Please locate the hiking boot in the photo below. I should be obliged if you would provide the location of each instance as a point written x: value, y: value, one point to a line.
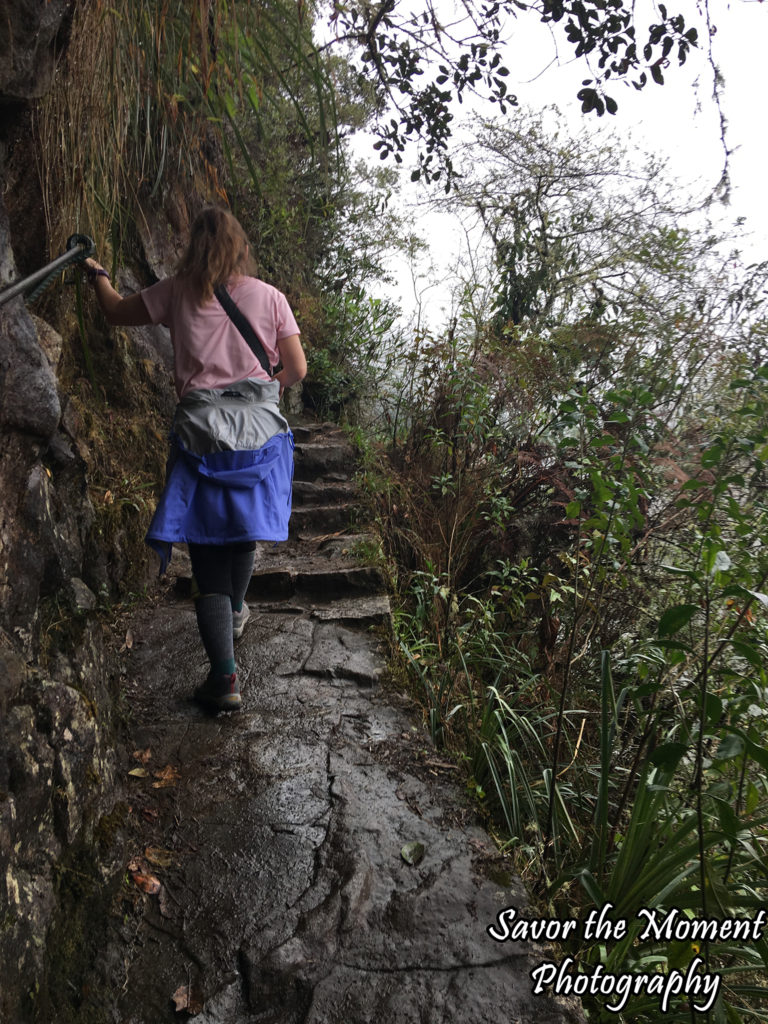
x: 219, y: 693
x: 239, y: 620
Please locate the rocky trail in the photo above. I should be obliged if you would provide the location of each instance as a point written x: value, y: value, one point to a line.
x: 265, y: 877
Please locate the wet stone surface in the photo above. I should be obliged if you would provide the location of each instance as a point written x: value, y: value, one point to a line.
x: 275, y: 835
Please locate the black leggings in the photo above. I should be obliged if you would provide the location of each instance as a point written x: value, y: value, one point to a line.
x: 220, y: 568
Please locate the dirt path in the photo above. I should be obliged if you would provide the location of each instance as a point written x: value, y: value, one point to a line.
x: 275, y: 835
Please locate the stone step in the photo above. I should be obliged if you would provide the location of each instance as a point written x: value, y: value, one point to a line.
x: 325, y: 584
x: 313, y: 582
x: 303, y: 434
x: 353, y: 612
x: 340, y: 549
x: 350, y: 545
x: 327, y: 461
x: 281, y: 595
x: 320, y: 520
x: 374, y: 610
x: 331, y: 553
x: 305, y: 492
x: 308, y: 432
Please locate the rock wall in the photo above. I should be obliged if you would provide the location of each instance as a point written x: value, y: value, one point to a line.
x: 59, y: 685
x: 31, y: 33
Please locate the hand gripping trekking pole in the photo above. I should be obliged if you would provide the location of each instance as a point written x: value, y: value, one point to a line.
x: 79, y: 248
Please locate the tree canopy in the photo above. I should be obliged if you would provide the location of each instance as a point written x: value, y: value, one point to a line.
x: 421, y: 62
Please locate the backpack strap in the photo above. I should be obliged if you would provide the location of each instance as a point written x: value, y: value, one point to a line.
x: 241, y: 322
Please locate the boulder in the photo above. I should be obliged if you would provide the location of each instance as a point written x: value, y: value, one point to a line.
x: 29, y: 32
x: 28, y: 397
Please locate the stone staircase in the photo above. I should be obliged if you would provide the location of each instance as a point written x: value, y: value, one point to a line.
x: 323, y: 566
x: 328, y: 569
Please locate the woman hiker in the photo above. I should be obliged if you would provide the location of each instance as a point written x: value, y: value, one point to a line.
x: 231, y: 465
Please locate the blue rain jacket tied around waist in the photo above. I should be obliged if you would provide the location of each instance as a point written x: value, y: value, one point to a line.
x: 226, y: 496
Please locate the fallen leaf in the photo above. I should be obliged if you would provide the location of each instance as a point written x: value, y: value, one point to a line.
x: 167, y: 776
x: 162, y: 903
x: 188, y: 1000
x: 160, y: 858
x: 149, y: 814
x: 181, y: 998
x: 147, y: 883
x: 128, y: 644
x: 413, y: 853
x: 139, y: 773
x: 142, y: 755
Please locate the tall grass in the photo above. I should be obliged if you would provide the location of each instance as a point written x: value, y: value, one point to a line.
x: 146, y: 100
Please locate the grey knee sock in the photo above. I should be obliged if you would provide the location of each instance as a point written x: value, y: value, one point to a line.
x: 214, y: 620
x: 242, y: 571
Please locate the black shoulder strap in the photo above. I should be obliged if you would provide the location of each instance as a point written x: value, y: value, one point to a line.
x: 241, y: 323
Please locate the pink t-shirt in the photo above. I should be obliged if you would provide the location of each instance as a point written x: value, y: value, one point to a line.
x: 209, y: 351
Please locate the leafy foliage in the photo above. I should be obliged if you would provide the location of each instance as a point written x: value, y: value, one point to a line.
x: 422, y: 61
x: 576, y: 505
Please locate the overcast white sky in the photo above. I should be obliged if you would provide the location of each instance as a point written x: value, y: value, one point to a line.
x: 678, y: 120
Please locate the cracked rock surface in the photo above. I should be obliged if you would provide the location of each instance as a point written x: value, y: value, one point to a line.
x: 275, y: 834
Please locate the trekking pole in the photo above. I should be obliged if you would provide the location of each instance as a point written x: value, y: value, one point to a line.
x: 79, y: 248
